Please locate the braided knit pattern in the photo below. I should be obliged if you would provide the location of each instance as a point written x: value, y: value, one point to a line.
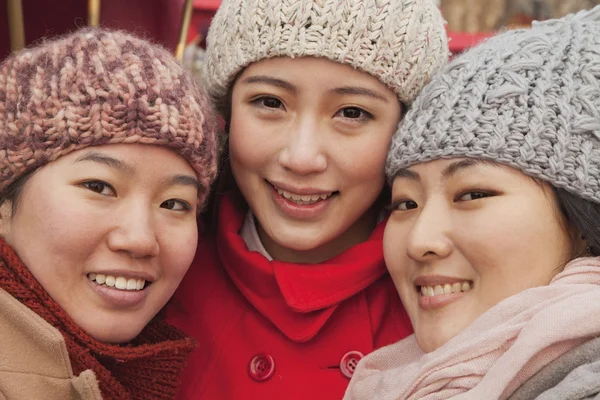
x: 148, y: 368
x: 529, y: 99
x: 98, y: 87
x: 400, y: 42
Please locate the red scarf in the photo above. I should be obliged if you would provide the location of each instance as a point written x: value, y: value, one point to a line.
x: 298, y: 299
x: 146, y: 368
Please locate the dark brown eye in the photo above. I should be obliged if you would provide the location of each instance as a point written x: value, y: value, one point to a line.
x: 470, y: 196
x: 176, y: 205
x: 271, y: 102
x: 99, y: 187
x: 352, y: 112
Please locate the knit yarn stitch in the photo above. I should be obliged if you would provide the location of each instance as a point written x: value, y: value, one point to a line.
x: 400, y: 42
x: 529, y: 99
x: 98, y: 87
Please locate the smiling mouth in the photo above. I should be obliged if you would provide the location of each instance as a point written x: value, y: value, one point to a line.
x: 118, y: 282
x: 303, y: 199
x: 438, y: 290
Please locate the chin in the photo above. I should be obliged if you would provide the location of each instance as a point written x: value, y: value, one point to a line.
x: 301, y: 243
x: 430, y: 344
x: 114, y: 335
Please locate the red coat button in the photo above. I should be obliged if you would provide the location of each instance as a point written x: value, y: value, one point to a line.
x: 349, y: 362
x: 261, y: 367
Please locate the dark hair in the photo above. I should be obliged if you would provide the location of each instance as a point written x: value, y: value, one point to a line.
x: 581, y: 215
x: 13, y: 191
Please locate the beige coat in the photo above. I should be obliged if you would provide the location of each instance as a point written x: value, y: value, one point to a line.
x: 34, y: 363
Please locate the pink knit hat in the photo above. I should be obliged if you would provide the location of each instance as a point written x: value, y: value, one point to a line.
x: 98, y: 87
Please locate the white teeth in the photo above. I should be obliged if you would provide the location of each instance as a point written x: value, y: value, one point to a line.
x: 303, y: 199
x: 121, y: 283
x: 430, y: 291
x: 456, y: 287
x: 447, y: 288
x: 118, y: 282
x: 131, y: 284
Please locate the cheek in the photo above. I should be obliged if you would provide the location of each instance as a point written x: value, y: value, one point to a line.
x: 365, y: 163
x: 248, y: 147
x: 178, y: 247
x: 394, y: 252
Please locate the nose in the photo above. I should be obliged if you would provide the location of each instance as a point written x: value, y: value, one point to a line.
x: 303, y: 152
x: 429, y: 237
x: 134, y: 232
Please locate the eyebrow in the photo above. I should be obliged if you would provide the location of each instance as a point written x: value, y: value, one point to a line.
x: 360, y: 91
x: 269, y: 80
x: 458, y: 166
x: 106, y: 160
x: 185, y: 180
x: 449, y: 171
x: 179, y: 179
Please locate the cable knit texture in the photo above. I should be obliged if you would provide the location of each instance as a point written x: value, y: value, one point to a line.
x: 400, y: 42
x: 98, y: 87
x: 148, y: 368
x: 526, y: 98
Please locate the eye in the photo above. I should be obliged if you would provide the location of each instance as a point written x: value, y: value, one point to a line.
x: 100, y: 187
x: 268, y: 102
x: 354, y: 113
x: 403, y: 205
x: 176, y: 205
x: 469, y: 196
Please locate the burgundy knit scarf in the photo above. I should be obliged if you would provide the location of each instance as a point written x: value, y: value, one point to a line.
x: 146, y: 368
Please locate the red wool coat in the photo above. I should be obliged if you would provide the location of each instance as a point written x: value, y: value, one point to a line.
x: 275, y: 330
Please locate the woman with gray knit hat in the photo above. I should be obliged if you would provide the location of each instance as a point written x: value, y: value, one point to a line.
x: 493, y: 241
x: 290, y: 290
x: 107, y: 151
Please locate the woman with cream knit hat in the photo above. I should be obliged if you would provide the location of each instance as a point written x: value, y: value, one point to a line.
x: 107, y: 152
x: 493, y: 240
x: 289, y: 289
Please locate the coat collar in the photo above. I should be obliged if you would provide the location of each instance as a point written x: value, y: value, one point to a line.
x: 297, y: 298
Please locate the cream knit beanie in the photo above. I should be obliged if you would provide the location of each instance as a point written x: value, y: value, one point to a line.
x: 400, y: 42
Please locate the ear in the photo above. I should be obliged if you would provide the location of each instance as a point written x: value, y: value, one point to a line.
x: 580, y: 245
x: 6, y: 211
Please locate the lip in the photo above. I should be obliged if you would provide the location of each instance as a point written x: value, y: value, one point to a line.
x: 126, y: 274
x: 304, y: 191
x: 432, y: 280
x: 120, y: 299
x: 442, y: 300
x: 295, y: 211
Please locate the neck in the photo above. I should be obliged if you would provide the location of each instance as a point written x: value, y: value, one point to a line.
x: 355, y: 234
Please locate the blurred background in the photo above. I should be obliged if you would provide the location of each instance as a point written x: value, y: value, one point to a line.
x: 181, y: 25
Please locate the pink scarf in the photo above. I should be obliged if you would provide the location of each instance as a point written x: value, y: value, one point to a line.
x: 498, y: 352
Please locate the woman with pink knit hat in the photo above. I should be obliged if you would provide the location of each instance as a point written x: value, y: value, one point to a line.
x: 107, y: 152
x: 289, y: 288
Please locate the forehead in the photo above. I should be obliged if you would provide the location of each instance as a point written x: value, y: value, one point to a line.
x: 442, y: 171
x: 311, y: 69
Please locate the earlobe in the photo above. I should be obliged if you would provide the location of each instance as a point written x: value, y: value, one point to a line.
x: 5, y: 218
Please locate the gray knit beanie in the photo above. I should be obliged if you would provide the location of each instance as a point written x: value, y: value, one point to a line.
x: 400, y: 42
x: 526, y: 98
